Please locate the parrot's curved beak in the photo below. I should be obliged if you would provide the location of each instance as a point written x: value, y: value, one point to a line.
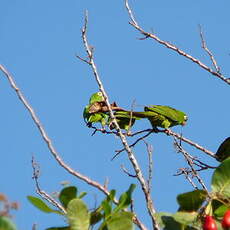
x: 185, y: 120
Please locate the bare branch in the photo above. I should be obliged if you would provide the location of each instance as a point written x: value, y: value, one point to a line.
x: 178, y: 136
x: 42, y: 193
x: 47, y: 139
x: 132, y: 145
x: 184, y: 171
x: 204, y: 46
x: 140, y: 177
x: 130, y: 13
x: 173, y: 47
x: 150, y: 165
x: 127, y: 172
x: 190, y: 162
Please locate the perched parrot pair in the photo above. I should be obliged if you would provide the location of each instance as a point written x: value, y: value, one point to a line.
x: 158, y: 115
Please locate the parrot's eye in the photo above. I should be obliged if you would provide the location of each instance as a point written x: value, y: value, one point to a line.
x: 99, y: 94
x: 185, y: 118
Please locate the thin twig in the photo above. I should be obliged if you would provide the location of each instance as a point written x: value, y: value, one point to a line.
x: 132, y: 145
x: 42, y: 193
x: 204, y: 46
x: 150, y: 164
x: 137, y: 169
x: 173, y: 47
x: 190, y: 163
x: 127, y: 172
x: 178, y: 136
x: 46, y: 138
x: 130, y: 13
x: 184, y: 171
x: 171, y: 133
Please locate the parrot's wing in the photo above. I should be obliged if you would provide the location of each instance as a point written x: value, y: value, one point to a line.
x: 97, y: 117
x: 126, y: 114
x: 158, y: 120
x: 86, y: 113
x: 124, y: 120
x: 94, y: 117
x: 167, y: 111
x: 223, y: 151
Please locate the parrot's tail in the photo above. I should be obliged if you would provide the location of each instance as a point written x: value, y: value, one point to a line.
x: 135, y: 115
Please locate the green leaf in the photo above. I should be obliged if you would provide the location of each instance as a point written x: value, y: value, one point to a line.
x: 191, y: 201
x: 95, y: 217
x: 221, y: 179
x: 41, y: 205
x: 186, y: 218
x: 107, y: 207
x: 166, y: 221
x: 67, y: 194
x: 6, y: 223
x: 120, y: 221
x: 125, y: 199
x: 111, y: 195
x: 220, y: 211
x: 78, y: 215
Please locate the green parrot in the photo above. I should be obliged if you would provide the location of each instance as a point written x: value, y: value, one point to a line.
x: 88, y: 114
x: 160, y: 116
x: 223, y: 151
x: 91, y: 118
x: 165, y: 116
x: 124, y: 119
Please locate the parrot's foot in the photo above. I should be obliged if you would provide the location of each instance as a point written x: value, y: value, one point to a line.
x: 128, y: 133
x: 89, y: 124
x: 155, y: 130
x: 103, y: 130
x: 167, y: 132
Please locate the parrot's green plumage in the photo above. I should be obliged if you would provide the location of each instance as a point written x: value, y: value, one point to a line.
x: 99, y: 117
x: 160, y: 116
x: 223, y: 151
x: 96, y: 97
x: 91, y: 118
x: 165, y: 116
x: 124, y: 119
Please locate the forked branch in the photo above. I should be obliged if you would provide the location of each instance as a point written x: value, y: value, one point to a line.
x: 168, y: 45
x: 46, y: 138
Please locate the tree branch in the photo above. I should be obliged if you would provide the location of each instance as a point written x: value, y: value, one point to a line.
x: 40, y: 192
x: 178, y: 136
x: 168, y: 45
x: 137, y: 169
x: 46, y: 138
x: 190, y: 162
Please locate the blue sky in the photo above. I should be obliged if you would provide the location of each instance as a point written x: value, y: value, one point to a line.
x: 38, y: 43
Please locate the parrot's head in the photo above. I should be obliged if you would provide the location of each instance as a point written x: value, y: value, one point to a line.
x: 182, y: 118
x: 96, y: 97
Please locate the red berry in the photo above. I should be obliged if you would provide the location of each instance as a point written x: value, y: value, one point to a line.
x: 209, y: 223
x: 226, y: 220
